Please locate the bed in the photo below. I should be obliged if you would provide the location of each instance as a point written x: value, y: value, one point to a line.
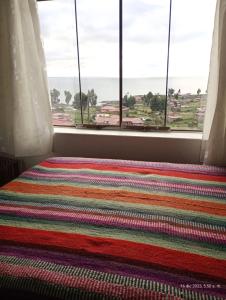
x: 81, y: 228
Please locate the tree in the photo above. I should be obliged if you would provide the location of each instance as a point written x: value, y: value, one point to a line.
x: 92, y: 97
x: 76, y: 102
x: 158, y: 103
x: 68, y: 97
x: 129, y: 101
x: 125, y: 100
x: 54, y: 94
x: 147, y: 98
x: 177, y: 94
x: 171, y: 92
x: 91, y: 100
x: 198, y: 92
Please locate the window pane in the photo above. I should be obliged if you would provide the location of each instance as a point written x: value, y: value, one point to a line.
x: 145, y: 27
x: 192, y: 26
x: 98, y: 25
x: 59, y: 40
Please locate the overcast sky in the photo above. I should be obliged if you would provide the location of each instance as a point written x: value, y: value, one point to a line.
x: 145, y: 30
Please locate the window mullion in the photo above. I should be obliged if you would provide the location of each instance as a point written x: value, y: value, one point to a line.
x: 78, y: 57
x: 120, y: 60
x: 167, y: 64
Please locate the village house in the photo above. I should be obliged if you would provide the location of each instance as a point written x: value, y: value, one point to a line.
x: 62, y: 119
x: 112, y: 109
x: 114, y: 120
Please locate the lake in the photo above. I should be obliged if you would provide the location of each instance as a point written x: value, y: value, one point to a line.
x: 107, y: 89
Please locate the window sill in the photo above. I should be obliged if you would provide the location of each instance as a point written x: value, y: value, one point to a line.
x: 166, y: 135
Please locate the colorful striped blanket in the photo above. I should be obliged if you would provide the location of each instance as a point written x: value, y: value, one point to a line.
x: 79, y: 228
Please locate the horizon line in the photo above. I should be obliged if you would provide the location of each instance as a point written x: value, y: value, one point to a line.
x: 157, y: 77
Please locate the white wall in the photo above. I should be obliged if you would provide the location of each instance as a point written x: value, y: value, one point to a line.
x: 151, y: 147
x: 166, y: 147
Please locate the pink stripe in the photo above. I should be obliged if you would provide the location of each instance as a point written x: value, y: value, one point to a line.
x: 114, y: 179
x: 156, y: 226
x: 92, y: 285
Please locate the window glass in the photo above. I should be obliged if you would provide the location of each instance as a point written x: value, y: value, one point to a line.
x: 98, y: 24
x: 59, y: 40
x: 145, y: 33
x: 191, y: 37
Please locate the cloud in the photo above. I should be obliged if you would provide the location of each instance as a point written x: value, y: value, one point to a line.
x: 145, y: 33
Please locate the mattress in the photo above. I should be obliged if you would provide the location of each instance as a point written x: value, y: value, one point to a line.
x: 80, y: 228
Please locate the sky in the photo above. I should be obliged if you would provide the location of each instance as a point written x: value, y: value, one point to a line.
x: 145, y: 37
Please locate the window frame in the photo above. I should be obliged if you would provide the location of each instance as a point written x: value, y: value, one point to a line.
x: 121, y: 126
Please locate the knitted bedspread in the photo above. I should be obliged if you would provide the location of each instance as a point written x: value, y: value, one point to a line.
x: 79, y: 228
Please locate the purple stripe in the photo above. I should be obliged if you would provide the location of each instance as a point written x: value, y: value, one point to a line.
x: 151, y: 227
x: 104, y: 180
x: 105, y: 265
x: 138, y: 181
x: 135, y: 177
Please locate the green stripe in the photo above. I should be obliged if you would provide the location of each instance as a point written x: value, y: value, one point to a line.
x: 116, y: 233
x: 134, y: 175
x: 108, y: 204
x: 121, y: 213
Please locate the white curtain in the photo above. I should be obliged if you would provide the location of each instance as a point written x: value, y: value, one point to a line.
x: 214, y: 135
x: 25, y: 113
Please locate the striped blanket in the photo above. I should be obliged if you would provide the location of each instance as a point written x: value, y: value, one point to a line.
x: 79, y: 228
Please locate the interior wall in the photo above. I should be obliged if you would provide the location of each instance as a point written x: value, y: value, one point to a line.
x: 126, y: 147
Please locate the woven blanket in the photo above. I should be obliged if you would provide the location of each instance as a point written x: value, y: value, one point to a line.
x: 79, y: 228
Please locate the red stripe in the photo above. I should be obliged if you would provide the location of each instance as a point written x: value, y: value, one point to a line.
x: 120, y: 249
x: 94, y: 166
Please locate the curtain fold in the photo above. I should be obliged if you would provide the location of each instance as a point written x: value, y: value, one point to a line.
x: 25, y: 112
x: 214, y: 134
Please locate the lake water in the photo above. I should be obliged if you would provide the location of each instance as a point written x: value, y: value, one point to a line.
x: 107, y: 89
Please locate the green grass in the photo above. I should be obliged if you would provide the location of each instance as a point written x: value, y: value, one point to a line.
x: 187, y: 115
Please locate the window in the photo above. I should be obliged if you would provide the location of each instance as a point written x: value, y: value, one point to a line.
x: 128, y: 63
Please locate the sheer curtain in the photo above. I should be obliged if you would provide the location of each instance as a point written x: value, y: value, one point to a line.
x: 25, y: 113
x: 214, y: 135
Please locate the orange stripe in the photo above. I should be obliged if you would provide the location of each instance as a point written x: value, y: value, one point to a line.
x: 123, y: 196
